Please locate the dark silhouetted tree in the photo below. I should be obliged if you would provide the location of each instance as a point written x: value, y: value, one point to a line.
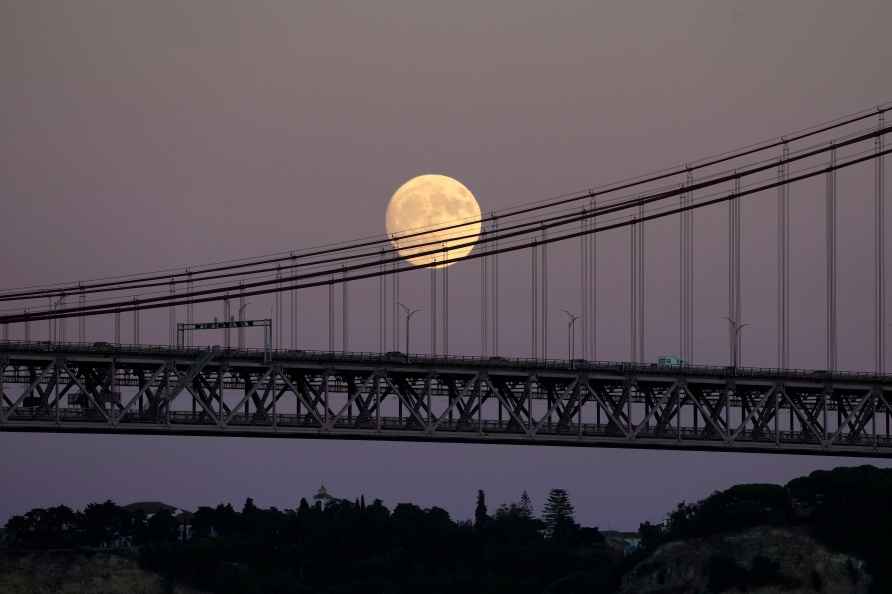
x: 480, y: 516
x: 161, y: 527
x: 651, y: 536
x: 203, y: 523
x: 526, y: 505
x: 558, y: 515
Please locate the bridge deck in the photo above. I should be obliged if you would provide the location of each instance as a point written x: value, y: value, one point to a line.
x: 104, y: 388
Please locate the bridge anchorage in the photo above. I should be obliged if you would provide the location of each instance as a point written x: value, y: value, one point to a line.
x: 301, y: 394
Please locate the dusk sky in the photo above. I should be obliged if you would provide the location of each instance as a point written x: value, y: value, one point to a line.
x: 137, y: 136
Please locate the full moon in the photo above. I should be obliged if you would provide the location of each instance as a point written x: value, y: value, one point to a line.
x: 430, y: 202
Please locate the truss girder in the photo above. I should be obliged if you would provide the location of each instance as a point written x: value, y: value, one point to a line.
x: 215, y: 392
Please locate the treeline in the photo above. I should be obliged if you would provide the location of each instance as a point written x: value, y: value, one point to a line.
x: 335, y: 545
x: 98, y: 525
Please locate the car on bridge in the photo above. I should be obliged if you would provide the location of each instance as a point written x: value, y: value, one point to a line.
x: 671, y: 361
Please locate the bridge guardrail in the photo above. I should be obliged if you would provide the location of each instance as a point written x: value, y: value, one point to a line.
x: 446, y: 360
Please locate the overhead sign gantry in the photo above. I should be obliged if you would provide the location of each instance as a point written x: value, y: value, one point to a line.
x: 266, y: 324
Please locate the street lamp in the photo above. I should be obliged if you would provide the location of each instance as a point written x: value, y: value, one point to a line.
x: 241, y: 330
x: 571, y: 333
x: 409, y: 313
x: 58, y: 329
x: 736, y: 327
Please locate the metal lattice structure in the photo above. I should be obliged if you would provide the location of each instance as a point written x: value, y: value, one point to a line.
x: 189, y: 391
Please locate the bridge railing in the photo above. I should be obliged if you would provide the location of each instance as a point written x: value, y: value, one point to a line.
x: 366, y: 357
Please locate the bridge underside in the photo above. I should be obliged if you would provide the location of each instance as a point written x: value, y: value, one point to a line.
x: 163, y: 391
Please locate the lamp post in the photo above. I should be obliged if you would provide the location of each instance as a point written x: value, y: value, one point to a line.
x: 571, y: 333
x: 409, y: 313
x: 59, y: 329
x: 241, y: 330
x: 736, y: 327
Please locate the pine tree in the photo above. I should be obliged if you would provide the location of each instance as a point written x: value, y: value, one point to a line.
x: 480, y: 516
x: 558, y: 515
x: 526, y: 505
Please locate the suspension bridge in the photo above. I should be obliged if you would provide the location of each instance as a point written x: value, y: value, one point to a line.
x: 87, y: 379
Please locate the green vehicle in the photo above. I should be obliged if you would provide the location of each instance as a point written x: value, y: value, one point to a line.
x: 671, y: 361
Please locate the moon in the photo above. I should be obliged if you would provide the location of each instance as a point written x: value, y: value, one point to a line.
x: 430, y: 202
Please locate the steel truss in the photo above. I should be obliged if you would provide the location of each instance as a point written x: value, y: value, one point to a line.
x: 189, y: 391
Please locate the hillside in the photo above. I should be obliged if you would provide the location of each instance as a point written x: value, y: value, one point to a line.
x: 79, y: 573
x: 762, y: 560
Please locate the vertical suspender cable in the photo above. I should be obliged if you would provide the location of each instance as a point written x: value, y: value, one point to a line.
x: 331, y: 313
x: 544, y: 250
x: 690, y: 268
x: 484, y: 301
x: 295, y: 313
x: 82, y: 320
x: 831, y: 263
x: 642, y: 288
x: 190, y: 310
x: 434, y: 319
x: 880, y: 256
x: 63, y: 323
x: 738, y: 284
x: 633, y: 292
x: 734, y: 286
x: 345, y: 314
x: 396, y: 308
x: 136, y: 337
x: 682, y: 279
x: 171, y: 316
x: 278, y: 304
x: 534, y: 306
x: 240, y: 334
x: 783, y: 263
x: 445, y: 339
x: 382, y: 307
x: 494, y: 292
x: 594, y: 284
x: 583, y: 282
x: 731, y: 318
x: 117, y: 327
x: 226, y: 330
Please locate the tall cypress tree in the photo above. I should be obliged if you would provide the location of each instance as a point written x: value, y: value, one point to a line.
x: 480, y: 516
x: 558, y: 515
x: 526, y: 505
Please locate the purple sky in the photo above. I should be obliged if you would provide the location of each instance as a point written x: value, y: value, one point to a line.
x: 137, y: 136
